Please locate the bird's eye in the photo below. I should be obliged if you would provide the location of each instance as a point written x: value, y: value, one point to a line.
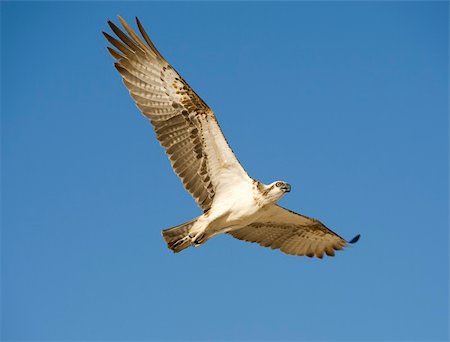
x: 278, y: 184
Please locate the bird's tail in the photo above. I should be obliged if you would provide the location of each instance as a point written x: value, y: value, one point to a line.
x: 177, y: 238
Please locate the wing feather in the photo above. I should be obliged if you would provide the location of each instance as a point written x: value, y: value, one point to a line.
x: 114, y: 53
x: 184, y: 124
x: 292, y: 233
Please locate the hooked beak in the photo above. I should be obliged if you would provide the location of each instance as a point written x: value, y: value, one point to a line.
x: 287, y: 188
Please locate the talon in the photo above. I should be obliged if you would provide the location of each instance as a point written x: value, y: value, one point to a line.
x: 199, y: 240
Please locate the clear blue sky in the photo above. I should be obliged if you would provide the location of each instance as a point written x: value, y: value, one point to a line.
x: 347, y: 101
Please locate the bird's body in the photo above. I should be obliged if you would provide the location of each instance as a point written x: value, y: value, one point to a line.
x: 187, y: 128
x: 236, y: 207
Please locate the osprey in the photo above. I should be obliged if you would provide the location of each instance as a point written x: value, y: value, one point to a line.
x: 232, y: 201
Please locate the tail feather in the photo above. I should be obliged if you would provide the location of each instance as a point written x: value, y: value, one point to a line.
x: 177, y: 238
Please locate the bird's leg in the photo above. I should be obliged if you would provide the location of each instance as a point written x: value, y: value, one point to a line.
x: 197, y: 238
x: 199, y: 233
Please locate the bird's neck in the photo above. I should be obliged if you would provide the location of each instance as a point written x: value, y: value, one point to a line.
x: 263, y: 195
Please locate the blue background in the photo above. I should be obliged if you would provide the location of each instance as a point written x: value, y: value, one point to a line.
x: 346, y: 101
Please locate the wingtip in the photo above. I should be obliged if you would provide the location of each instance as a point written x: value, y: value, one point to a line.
x: 355, y: 239
x: 119, y: 67
x: 107, y: 35
x: 112, y: 25
x: 121, y: 20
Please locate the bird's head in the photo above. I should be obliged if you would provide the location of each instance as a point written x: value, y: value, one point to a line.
x: 281, y: 186
x: 274, y: 191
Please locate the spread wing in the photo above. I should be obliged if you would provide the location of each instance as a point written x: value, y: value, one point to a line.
x: 292, y: 233
x: 185, y: 126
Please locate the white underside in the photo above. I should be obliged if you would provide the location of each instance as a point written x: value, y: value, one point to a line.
x: 234, y: 207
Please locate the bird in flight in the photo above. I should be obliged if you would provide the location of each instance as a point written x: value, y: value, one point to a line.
x: 232, y: 201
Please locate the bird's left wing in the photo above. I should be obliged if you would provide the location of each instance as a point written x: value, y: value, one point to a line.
x: 184, y: 124
x: 292, y: 233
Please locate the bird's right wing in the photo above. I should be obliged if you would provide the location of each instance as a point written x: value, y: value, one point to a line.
x: 292, y: 233
x: 185, y: 126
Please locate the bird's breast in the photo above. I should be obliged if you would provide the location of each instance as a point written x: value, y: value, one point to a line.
x: 237, y: 209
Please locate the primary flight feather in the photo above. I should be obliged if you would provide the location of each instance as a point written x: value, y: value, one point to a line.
x: 187, y: 128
